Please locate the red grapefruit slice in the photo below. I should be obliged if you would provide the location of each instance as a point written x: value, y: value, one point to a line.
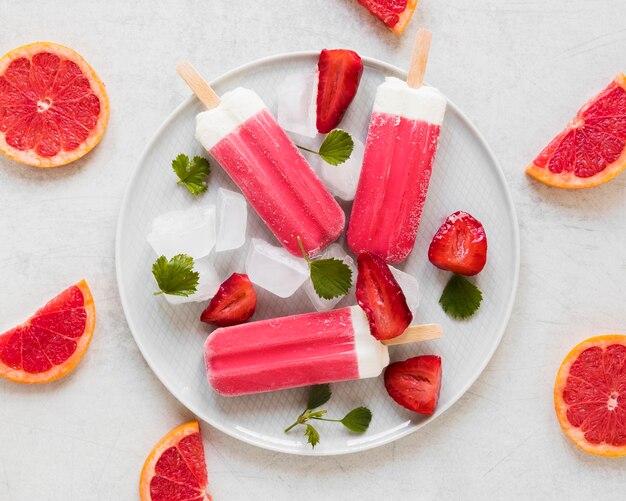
x: 53, y: 107
x: 396, y: 14
x: 590, y: 395
x: 51, y: 342
x: 592, y: 148
x: 175, y: 470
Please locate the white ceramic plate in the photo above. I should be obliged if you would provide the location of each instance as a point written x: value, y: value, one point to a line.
x: 466, y: 177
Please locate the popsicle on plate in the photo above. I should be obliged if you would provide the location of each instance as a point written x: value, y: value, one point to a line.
x: 242, y: 135
x: 300, y: 350
x: 401, y: 144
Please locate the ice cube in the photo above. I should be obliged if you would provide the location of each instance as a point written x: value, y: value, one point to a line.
x: 297, y: 101
x: 342, y: 180
x: 408, y: 284
x: 321, y: 304
x: 209, y: 283
x: 275, y: 269
x: 190, y: 231
x: 232, y: 214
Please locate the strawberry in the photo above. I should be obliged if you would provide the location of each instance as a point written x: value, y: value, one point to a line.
x: 415, y: 383
x: 382, y: 299
x: 340, y: 72
x: 233, y: 304
x: 460, y: 245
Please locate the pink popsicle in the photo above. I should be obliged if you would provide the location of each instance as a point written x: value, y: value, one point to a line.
x: 288, y: 352
x: 398, y: 161
x: 392, y: 188
x: 243, y: 136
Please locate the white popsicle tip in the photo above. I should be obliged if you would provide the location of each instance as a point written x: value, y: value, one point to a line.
x: 197, y: 84
x: 419, y: 59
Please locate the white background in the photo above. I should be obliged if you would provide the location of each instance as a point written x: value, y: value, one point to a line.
x: 519, y: 69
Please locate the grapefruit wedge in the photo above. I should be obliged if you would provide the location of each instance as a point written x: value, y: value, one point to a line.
x: 175, y: 469
x: 53, y: 107
x: 51, y: 342
x: 590, y: 395
x: 396, y: 14
x: 592, y: 148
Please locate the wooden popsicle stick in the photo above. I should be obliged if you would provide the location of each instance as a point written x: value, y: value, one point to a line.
x: 419, y: 59
x: 198, y: 85
x: 416, y: 334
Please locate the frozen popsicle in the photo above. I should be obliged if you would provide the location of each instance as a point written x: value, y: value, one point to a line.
x: 242, y: 135
x: 399, y: 153
x: 300, y: 350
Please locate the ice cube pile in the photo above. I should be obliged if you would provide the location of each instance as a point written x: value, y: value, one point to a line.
x: 196, y: 232
x: 275, y: 269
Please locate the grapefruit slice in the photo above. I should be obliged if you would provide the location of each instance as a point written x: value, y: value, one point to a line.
x: 175, y: 469
x: 396, y: 14
x: 592, y: 148
x: 51, y: 342
x: 590, y: 395
x: 53, y: 106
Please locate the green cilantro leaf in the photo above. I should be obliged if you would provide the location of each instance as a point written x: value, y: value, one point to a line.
x: 192, y: 174
x: 176, y: 276
x: 313, y: 435
x: 337, y: 147
x: 460, y: 298
x: 320, y: 394
x: 331, y: 277
x: 358, y: 420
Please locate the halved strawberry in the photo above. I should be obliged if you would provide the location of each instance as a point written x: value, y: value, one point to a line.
x: 460, y: 245
x: 382, y: 299
x: 415, y: 383
x: 340, y: 72
x: 233, y: 304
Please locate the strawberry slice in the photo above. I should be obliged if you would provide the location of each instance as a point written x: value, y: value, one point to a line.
x: 415, y: 383
x: 233, y: 304
x: 460, y: 245
x: 382, y: 299
x: 340, y: 72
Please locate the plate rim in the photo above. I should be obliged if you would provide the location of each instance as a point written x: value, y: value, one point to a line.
x: 265, y: 444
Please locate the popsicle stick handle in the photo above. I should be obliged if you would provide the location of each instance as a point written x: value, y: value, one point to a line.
x: 198, y: 85
x: 416, y: 334
x: 419, y: 59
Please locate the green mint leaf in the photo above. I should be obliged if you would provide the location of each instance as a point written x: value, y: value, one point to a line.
x: 337, y: 147
x: 331, y: 277
x: 176, y: 276
x: 320, y: 394
x: 193, y: 174
x: 358, y: 420
x: 460, y: 298
x: 313, y: 435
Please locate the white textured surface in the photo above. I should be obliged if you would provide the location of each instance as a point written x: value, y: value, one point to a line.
x: 518, y: 69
